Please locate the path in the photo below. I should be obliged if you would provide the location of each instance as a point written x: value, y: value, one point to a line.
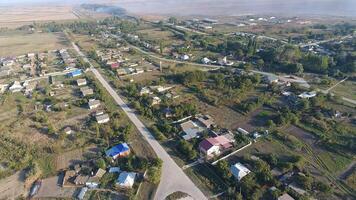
x: 173, y: 178
x: 12, y: 186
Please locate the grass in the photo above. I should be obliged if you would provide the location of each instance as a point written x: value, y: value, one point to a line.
x: 206, y: 179
x: 18, y: 43
x: 346, y: 89
x: 47, y: 165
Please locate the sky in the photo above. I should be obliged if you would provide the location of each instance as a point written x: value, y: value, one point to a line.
x: 222, y: 7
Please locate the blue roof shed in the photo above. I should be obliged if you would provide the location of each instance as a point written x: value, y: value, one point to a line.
x: 75, y: 73
x: 119, y: 150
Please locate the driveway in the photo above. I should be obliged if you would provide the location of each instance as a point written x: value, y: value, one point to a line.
x: 173, y: 178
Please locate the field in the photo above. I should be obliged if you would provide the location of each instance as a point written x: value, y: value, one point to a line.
x: 17, y: 16
x: 17, y: 43
x: 346, y: 89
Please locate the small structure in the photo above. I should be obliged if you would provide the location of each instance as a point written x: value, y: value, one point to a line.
x: 190, y: 130
x: 120, y: 150
x: 102, y: 119
x: 81, y: 82
x: 94, y: 181
x: 126, y: 180
x: 82, y: 193
x: 206, y: 121
x: 211, y: 147
x: 93, y: 103
x: 86, y: 91
x: 285, y: 196
x: 114, y: 170
x: 239, y: 171
x: 145, y: 90
x: 68, y: 130
x: 81, y: 180
x: 75, y: 73
x: 242, y: 131
x: 69, y: 176
x: 16, y: 87
x: 155, y: 101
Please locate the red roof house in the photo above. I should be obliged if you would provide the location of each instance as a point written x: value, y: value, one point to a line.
x: 211, y: 147
x: 114, y: 65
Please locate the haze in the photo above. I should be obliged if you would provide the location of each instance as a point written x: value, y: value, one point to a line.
x: 222, y: 7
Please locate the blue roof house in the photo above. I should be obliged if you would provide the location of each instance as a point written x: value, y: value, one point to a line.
x: 120, y: 150
x: 75, y: 73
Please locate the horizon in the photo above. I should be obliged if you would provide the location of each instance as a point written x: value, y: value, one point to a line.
x: 345, y: 8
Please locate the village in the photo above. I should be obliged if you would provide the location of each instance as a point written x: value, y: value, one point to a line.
x: 236, y: 128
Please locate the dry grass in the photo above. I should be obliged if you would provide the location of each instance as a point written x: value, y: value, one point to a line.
x: 17, y: 43
x: 17, y: 16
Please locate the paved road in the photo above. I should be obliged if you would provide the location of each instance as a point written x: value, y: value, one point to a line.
x: 173, y: 178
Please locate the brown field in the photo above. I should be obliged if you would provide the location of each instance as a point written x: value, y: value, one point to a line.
x: 15, y: 16
x: 17, y: 43
x: 12, y: 17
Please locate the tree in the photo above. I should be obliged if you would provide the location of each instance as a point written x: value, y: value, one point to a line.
x: 154, y: 171
x: 223, y: 169
x: 100, y: 163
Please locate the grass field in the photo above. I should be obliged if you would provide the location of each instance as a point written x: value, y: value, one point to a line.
x: 18, y: 16
x: 346, y: 89
x: 17, y: 43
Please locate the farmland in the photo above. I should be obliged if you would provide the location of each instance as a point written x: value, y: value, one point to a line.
x: 15, y: 43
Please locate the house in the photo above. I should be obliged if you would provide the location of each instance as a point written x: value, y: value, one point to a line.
x: 82, y: 193
x: 285, y: 196
x: 239, y: 171
x: 27, y: 66
x: 93, y: 103
x: 68, y: 130
x: 120, y: 150
x: 184, y: 57
x: 155, y: 101
x: 160, y: 88
x: 5, y: 71
x: 224, y: 61
x: 16, y: 87
x: 145, y: 90
x: 126, y: 180
x: 190, y: 130
x: 86, y: 91
x: 94, y: 181
x: 307, y: 95
x: 270, y: 78
x: 205, y: 121
x: 75, y: 73
x: 81, y: 82
x: 102, y: 119
x: 206, y: 60
x: 214, y: 146
x: 81, y: 180
x: 114, y: 65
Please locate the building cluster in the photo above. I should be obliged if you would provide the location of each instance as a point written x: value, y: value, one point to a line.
x: 157, y: 93
x: 86, y: 176
x: 116, y: 61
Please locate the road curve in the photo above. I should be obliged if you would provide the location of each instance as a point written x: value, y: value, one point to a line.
x: 173, y: 178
